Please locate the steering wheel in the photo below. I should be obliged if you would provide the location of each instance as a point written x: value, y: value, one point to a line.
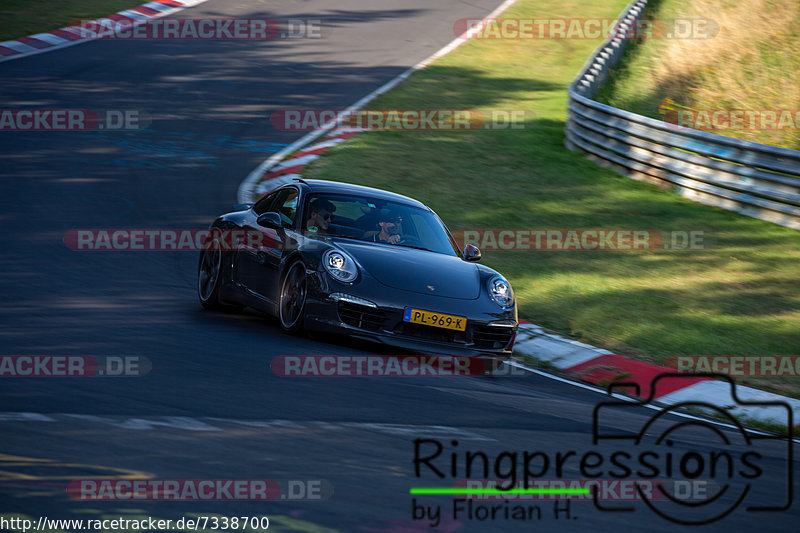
x: 410, y: 240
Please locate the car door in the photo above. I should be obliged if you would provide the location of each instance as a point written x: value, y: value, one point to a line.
x: 246, y: 263
x: 260, y: 265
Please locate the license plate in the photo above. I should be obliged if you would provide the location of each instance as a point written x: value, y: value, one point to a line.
x: 438, y: 320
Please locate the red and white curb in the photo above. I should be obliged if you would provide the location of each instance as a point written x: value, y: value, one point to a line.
x: 72, y: 35
x: 290, y: 168
x: 594, y: 365
x: 263, y: 178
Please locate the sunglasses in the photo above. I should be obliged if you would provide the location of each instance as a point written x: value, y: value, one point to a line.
x: 326, y: 216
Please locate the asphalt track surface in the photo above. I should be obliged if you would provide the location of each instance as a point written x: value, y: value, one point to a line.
x: 211, y: 408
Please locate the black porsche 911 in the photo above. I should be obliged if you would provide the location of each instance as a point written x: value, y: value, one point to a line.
x: 329, y: 256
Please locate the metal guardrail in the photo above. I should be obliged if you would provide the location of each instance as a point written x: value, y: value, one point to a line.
x: 753, y: 179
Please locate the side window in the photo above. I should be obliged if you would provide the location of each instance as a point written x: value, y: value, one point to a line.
x: 262, y: 206
x: 286, y: 206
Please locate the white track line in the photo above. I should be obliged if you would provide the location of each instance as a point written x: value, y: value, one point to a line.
x: 86, y: 35
x: 247, y: 187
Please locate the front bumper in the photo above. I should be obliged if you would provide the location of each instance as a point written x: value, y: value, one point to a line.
x: 489, y: 333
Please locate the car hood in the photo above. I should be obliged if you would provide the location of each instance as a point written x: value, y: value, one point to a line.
x: 415, y: 270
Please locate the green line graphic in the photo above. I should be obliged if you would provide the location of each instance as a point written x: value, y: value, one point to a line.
x: 449, y: 490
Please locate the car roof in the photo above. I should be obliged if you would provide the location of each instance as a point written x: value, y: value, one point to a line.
x: 325, y: 186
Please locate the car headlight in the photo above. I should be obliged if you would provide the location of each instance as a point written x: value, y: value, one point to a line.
x: 501, y: 292
x: 340, y: 265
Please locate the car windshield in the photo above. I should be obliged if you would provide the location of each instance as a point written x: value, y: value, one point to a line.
x: 374, y: 220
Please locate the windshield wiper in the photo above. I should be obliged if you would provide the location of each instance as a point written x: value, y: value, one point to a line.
x: 416, y: 247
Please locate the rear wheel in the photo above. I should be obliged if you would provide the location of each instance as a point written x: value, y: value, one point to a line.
x: 209, y: 278
x: 292, y: 301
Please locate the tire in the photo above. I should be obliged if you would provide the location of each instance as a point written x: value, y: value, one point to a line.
x: 209, y: 270
x: 209, y: 279
x: 292, y: 298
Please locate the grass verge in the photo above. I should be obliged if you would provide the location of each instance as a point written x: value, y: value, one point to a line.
x: 771, y: 427
x: 739, y: 295
x: 20, y: 18
x: 752, y: 63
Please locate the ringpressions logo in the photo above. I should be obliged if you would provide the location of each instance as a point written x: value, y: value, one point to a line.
x: 724, y: 465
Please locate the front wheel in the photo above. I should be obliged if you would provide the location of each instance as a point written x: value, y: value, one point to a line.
x: 293, y: 298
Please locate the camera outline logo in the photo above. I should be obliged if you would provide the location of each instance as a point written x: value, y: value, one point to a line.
x: 750, y: 439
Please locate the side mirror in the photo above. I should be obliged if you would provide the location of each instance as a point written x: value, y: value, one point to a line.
x: 471, y: 253
x: 270, y: 219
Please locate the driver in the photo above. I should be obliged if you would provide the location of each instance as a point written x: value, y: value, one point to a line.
x: 321, y: 214
x: 389, y: 222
